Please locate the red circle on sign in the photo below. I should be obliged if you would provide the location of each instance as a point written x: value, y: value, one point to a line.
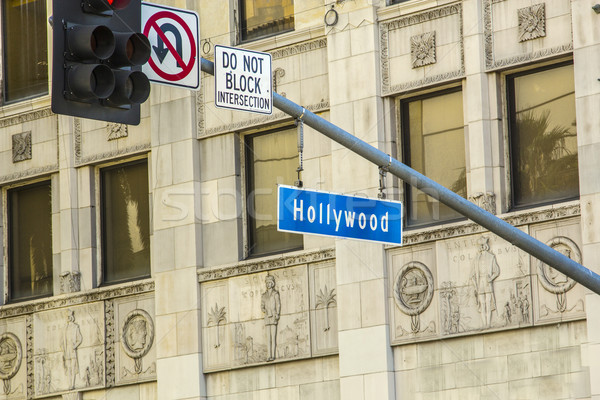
x: 151, y: 23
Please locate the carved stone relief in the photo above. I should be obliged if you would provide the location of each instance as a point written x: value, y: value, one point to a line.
x: 68, y: 348
x: 13, y: 370
x: 21, y: 146
x: 116, y: 131
x: 532, y: 22
x: 135, y: 350
x: 277, y: 74
x: 323, y: 300
x: 487, y: 201
x: 70, y: 282
x: 422, y: 49
x: 412, y: 294
x: 256, y: 318
x: 560, y: 297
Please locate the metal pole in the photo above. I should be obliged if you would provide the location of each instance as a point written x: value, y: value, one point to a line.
x: 488, y: 220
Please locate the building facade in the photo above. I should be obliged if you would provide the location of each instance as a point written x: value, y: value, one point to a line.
x: 143, y: 262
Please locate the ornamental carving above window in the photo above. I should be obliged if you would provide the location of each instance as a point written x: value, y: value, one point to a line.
x: 422, y: 49
x: 532, y: 22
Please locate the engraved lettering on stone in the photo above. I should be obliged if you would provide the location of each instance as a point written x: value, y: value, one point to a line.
x: 72, y: 339
x: 278, y: 73
x: 271, y: 306
x: 532, y: 22
x: 137, y: 338
x: 484, y: 270
x: 556, y: 282
x: 11, y: 355
x: 450, y: 307
x: 216, y: 317
x: 70, y: 282
x: 325, y: 299
x: 117, y: 131
x: 487, y: 201
x: 422, y: 49
x: 21, y: 146
x: 413, y: 291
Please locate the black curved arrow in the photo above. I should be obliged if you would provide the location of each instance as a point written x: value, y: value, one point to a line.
x: 161, y: 51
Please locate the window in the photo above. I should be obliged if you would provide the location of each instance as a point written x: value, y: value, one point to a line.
x: 125, y: 222
x: 30, y: 241
x: 265, y: 17
x: 434, y: 145
x: 25, y: 72
x: 272, y: 158
x: 543, y: 136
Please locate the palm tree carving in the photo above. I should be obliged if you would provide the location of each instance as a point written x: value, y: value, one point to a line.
x: 216, y: 316
x: 325, y: 299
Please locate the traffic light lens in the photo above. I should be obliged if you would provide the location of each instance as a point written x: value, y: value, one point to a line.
x: 119, y: 4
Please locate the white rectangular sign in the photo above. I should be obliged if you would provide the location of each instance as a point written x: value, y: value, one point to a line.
x: 243, y: 80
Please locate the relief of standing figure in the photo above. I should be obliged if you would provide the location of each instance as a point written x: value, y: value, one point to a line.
x: 484, y: 271
x: 71, y: 341
x: 271, y: 306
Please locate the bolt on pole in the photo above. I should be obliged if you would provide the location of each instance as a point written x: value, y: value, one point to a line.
x: 506, y: 231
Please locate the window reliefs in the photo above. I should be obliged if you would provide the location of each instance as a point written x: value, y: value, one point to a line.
x: 543, y: 136
x: 125, y: 222
x: 260, y: 18
x: 29, y: 212
x: 271, y: 159
x: 25, y: 49
x: 433, y: 144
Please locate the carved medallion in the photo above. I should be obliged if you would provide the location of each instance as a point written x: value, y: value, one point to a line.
x: 422, y: 49
x: 21, y: 146
x: 552, y: 280
x: 532, y: 22
x: 137, y: 336
x: 413, y: 290
x: 11, y: 355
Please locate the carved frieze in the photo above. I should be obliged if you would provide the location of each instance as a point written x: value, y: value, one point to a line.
x: 21, y: 146
x: 274, y: 315
x: 532, y: 22
x: 487, y: 201
x: 70, y: 282
x: 135, y: 348
x: 422, y: 49
x: 69, y: 349
x: 13, y: 358
x: 413, y: 291
x: 117, y: 131
x: 25, y: 117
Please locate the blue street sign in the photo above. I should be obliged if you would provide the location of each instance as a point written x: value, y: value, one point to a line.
x: 323, y: 213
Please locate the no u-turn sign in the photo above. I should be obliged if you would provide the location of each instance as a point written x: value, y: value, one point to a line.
x: 243, y: 80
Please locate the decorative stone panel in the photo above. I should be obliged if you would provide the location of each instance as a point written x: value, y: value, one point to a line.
x: 135, y: 344
x: 532, y: 22
x: 510, y: 31
x: 13, y: 358
x: 473, y: 283
x: 21, y: 146
x: 269, y: 315
x: 410, y: 45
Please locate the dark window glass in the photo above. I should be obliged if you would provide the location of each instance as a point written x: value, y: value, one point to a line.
x: 272, y: 159
x: 265, y: 17
x: 25, y: 49
x: 543, y: 136
x: 434, y: 145
x: 30, y: 242
x: 125, y: 222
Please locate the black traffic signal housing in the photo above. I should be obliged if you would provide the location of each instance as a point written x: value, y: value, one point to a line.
x: 98, y: 53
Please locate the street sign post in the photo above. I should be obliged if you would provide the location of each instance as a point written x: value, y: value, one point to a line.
x: 323, y: 213
x: 174, y: 38
x: 243, y: 80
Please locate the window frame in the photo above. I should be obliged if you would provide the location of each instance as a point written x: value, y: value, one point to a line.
x: 240, y: 23
x: 6, y: 222
x: 509, y: 107
x: 403, y: 138
x: 100, y: 219
x: 4, y: 63
x: 248, y: 185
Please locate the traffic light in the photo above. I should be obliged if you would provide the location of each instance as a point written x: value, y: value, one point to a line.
x: 98, y: 55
